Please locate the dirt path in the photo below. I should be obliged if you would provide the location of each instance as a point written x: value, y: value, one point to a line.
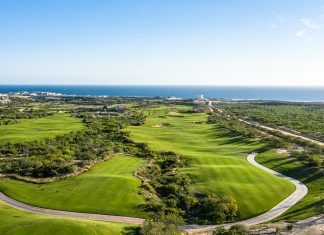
x: 283, y: 132
x: 298, y: 194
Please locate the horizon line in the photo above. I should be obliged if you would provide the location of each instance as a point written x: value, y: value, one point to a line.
x: 183, y: 85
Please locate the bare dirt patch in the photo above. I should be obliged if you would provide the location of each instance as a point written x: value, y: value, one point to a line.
x: 311, y: 226
x: 283, y: 151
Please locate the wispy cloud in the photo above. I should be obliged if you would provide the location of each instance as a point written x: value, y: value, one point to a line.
x: 300, y: 33
x: 309, y: 23
x: 303, y: 34
x: 308, y: 28
x: 279, y: 21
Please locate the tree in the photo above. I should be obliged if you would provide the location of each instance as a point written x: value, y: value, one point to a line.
x: 162, y: 225
x: 217, y: 209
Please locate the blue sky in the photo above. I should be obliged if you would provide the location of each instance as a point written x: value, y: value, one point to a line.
x: 188, y: 42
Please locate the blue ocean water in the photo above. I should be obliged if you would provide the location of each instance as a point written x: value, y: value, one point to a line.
x: 229, y: 92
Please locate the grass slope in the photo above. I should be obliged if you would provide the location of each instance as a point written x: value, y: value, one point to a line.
x: 15, y: 222
x: 35, y: 129
x: 216, y: 159
x: 108, y: 188
x: 312, y: 177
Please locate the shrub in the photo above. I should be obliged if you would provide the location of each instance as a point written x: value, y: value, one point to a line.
x: 290, y: 227
x: 217, y: 209
x: 162, y: 225
x: 239, y: 229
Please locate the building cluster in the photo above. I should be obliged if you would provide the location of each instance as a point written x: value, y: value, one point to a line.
x: 201, y: 100
x: 42, y: 93
x: 4, y: 99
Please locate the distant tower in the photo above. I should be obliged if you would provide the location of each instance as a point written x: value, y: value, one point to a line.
x: 201, y: 96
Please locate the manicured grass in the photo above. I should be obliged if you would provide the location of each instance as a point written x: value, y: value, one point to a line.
x: 108, y: 188
x: 36, y: 129
x: 16, y: 222
x: 311, y: 176
x: 216, y: 159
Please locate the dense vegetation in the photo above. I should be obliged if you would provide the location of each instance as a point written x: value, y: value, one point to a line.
x: 12, y: 114
x: 312, y: 154
x: 168, y: 192
x: 179, y: 155
x: 68, y: 153
x: 103, y: 136
x: 305, y: 118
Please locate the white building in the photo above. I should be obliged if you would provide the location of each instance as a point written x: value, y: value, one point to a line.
x: 4, y: 99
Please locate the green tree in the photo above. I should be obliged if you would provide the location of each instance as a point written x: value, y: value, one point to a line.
x: 217, y: 209
x: 162, y: 225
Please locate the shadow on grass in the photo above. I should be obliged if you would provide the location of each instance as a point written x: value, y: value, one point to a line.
x: 263, y: 149
x: 316, y: 205
x: 130, y: 230
x: 229, y: 137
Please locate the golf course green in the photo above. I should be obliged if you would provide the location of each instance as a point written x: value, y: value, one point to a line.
x: 215, y: 158
x: 36, y: 129
x: 312, y: 203
x: 108, y: 188
x: 16, y: 222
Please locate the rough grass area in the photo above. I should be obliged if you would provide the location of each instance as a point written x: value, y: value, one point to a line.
x: 15, y: 222
x: 36, y: 129
x: 108, y: 188
x: 216, y: 159
x: 311, y: 176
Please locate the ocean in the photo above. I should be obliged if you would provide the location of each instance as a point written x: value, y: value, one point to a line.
x: 298, y: 94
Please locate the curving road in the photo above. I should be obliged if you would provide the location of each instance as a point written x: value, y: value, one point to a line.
x: 34, y: 209
x: 298, y: 194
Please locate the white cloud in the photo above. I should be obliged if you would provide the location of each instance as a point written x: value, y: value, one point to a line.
x: 300, y: 33
x: 308, y: 23
x: 303, y: 34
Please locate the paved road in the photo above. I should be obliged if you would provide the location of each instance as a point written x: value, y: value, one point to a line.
x: 300, y: 192
x: 39, y: 210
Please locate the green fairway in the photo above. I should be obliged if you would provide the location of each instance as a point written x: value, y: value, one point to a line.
x: 108, y: 188
x: 36, y: 129
x: 216, y: 159
x: 15, y: 222
x: 311, y: 176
